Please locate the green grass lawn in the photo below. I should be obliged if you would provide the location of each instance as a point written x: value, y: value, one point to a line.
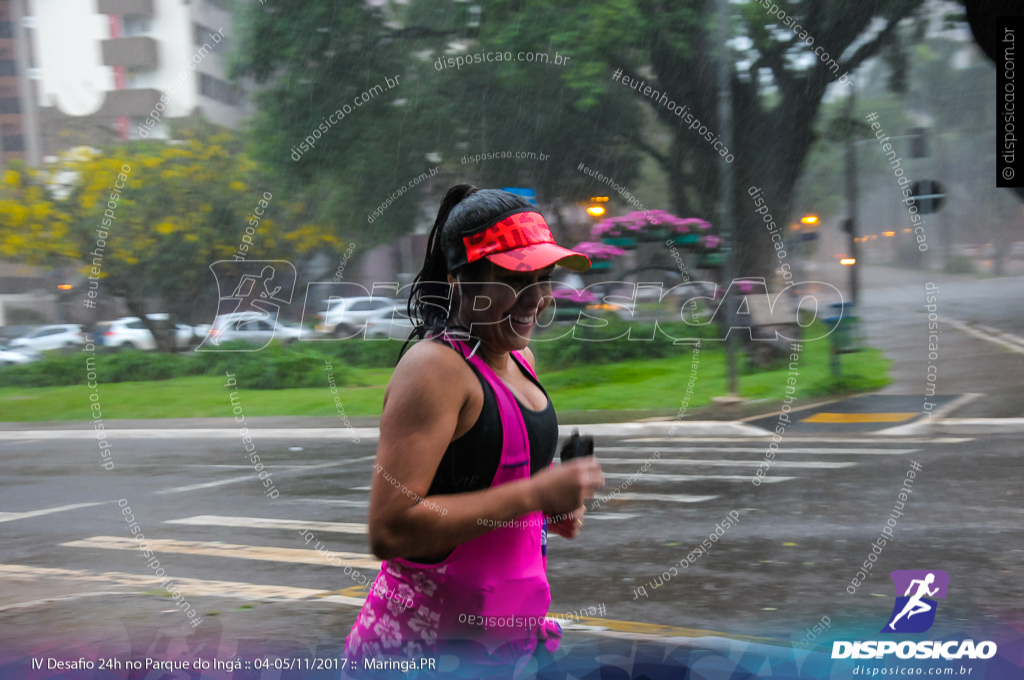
x: 634, y: 385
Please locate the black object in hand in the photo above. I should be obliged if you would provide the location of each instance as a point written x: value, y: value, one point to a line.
x: 577, y: 447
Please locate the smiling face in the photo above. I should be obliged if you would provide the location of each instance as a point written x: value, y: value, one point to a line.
x: 501, y: 306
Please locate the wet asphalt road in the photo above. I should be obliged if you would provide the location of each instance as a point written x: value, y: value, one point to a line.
x: 785, y: 564
x: 779, y: 570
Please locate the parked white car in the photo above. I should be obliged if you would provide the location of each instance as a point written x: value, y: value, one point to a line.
x: 54, y: 336
x: 345, y: 316
x: 246, y: 326
x: 11, y: 357
x: 130, y: 333
x: 389, y: 323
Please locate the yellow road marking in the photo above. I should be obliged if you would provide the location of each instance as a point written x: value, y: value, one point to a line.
x: 858, y: 417
x: 632, y: 627
x: 247, y: 552
x: 655, y: 629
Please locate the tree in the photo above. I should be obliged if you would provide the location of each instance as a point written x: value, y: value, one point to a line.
x: 777, y: 90
x: 33, y: 228
x: 148, y: 219
x: 311, y: 63
x: 312, y: 59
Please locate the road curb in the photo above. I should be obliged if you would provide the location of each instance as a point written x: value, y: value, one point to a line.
x: 980, y: 426
x: 933, y: 424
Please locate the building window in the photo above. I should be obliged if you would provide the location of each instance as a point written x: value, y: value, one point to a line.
x: 136, y: 25
x: 6, y: 29
x: 8, y: 67
x: 219, y: 90
x: 12, y: 143
x: 10, y: 105
x: 201, y: 35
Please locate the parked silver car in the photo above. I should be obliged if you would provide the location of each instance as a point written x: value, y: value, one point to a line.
x: 248, y: 327
x: 53, y: 336
x: 130, y: 333
x: 345, y: 316
x: 389, y: 323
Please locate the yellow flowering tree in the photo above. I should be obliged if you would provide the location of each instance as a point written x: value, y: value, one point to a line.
x: 33, y: 228
x: 149, y: 218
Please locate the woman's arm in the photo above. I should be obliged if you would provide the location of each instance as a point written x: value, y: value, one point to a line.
x: 421, y: 412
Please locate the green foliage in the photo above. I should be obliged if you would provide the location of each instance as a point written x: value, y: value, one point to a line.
x: 847, y: 382
x: 364, y: 353
x: 273, y: 368
x: 646, y: 384
x: 56, y: 368
x: 135, y: 365
x: 281, y: 368
x: 312, y: 63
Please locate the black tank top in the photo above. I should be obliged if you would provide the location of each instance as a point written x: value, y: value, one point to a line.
x: 471, y: 461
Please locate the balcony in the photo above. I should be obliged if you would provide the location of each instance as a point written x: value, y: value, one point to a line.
x: 136, y: 103
x: 139, y: 52
x: 126, y: 7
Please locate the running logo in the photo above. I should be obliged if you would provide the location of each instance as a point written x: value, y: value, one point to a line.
x: 914, y: 612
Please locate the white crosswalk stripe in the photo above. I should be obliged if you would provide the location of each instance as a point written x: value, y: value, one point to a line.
x: 218, y: 549
x: 760, y: 449
x: 11, y: 516
x: 328, y: 501
x: 662, y: 497
x: 660, y: 478
x: 815, y: 440
x: 263, y: 523
x: 806, y: 464
x: 287, y: 473
x: 189, y: 586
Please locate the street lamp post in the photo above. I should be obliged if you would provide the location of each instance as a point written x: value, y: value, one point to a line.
x: 851, y: 195
x: 725, y: 183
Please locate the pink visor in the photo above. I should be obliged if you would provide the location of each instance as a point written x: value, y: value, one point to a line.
x: 522, y: 242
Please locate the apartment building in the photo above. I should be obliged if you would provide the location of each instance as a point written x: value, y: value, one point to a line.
x: 92, y: 72
x: 18, y: 116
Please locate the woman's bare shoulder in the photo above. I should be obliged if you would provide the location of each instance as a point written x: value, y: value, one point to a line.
x: 430, y: 352
x: 428, y: 385
x: 429, y: 364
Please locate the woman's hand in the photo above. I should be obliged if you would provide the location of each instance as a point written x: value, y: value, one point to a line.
x: 566, y: 487
x: 568, y: 528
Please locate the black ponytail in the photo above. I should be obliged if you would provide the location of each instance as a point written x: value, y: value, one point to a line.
x: 430, y: 296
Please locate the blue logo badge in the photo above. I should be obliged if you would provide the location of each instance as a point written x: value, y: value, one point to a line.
x: 914, y: 611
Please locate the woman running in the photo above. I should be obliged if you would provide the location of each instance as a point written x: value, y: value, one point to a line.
x: 467, y: 426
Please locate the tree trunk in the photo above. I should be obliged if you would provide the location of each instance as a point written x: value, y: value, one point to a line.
x: 164, y: 335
